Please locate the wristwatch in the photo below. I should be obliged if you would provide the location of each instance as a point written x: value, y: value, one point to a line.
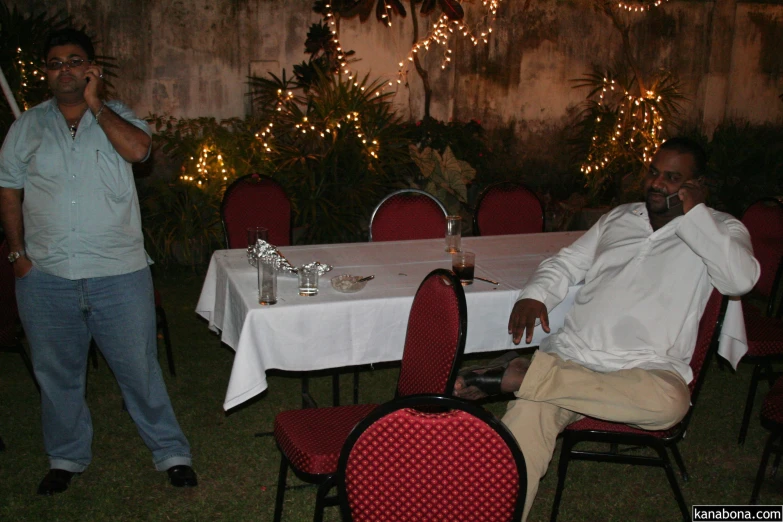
x: 13, y: 256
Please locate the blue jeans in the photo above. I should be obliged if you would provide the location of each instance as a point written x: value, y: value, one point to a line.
x: 60, y: 317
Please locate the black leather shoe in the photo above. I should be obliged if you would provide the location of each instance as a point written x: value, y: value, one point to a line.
x: 56, y: 481
x: 182, y: 477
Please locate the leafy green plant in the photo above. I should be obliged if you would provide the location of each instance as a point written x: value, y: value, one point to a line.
x: 444, y: 176
x: 620, y: 125
x: 336, y: 147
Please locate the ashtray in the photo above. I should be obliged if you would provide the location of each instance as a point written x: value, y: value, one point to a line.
x: 347, y: 283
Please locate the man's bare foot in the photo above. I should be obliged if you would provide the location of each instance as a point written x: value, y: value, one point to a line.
x: 510, y: 380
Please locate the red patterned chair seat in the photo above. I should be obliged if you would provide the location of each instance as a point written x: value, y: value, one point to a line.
x: 765, y: 334
x: 302, y: 438
x: 590, y: 424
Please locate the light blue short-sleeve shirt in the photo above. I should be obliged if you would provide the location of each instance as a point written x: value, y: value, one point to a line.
x: 81, y: 211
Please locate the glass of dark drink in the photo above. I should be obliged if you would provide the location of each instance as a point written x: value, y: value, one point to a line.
x: 464, y: 265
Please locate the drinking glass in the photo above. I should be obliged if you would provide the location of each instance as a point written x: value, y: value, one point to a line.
x: 453, y: 234
x: 267, y: 281
x: 464, y: 265
x: 256, y: 233
x: 308, y: 281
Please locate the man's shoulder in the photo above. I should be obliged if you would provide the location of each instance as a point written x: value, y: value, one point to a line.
x: 717, y: 215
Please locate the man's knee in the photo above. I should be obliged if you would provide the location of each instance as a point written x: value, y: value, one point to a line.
x: 675, y: 402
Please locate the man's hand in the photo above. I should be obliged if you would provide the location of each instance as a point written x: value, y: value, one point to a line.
x: 22, y: 266
x: 94, y: 88
x: 691, y: 193
x: 523, y: 318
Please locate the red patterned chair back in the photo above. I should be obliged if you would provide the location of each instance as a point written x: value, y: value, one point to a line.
x: 508, y: 208
x: 255, y: 201
x: 450, y: 460
x: 764, y: 220
x: 9, y: 315
x: 408, y: 214
x: 707, y: 339
x: 435, y: 339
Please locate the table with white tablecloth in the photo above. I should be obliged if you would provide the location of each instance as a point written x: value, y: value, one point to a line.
x: 334, y: 330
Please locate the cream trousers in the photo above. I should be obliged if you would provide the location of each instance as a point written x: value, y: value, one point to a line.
x: 555, y: 393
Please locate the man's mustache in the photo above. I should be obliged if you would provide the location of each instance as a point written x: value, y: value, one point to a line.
x: 657, y: 191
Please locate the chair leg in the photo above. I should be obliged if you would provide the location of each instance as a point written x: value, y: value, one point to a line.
x: 562, y: 469
x: 320, y: 499
x: 336, y: 389
x: 763, y: 466
x: 281, y: 481
x: 754, y: 382
x: 163, y: 324
x: 29, y: 365
x: 356, y: 387
x: 93, y: 354
x: 667, y: 466
x: 680, y: 463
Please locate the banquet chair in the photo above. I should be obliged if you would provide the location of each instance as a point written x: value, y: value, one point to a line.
x: 10, y: 325
x: 508, y: 208
x: 593, y: 430
x: 772, y: 419
x: 310, y: 439
x: 252, y: 201
x: 764, y: 221
x: 408, y: 214
x: 406, y: 461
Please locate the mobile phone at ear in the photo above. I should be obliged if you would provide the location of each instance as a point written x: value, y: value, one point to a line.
x: 677, y: 201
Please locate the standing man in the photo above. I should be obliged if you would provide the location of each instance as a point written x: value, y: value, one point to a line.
x: 624, y: 350
x: 78, y: 255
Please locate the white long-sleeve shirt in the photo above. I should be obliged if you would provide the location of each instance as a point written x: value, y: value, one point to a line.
x: 644, y: 291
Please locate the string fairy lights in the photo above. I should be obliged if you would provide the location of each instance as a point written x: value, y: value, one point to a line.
x: 638, y: 126
x: 640, y: 8
x: 443, y: 28
x: 209, y: 165
x: 29, y: 80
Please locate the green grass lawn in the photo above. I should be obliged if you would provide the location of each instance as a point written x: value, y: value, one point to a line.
x: 238, y: 472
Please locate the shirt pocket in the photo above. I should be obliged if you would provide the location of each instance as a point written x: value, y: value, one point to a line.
x: 114, y: 175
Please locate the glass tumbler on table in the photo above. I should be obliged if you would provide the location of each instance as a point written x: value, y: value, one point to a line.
x: 308, y: 281
x: 256, y: 233
x: 453, y: 234
x: 267, y: 280
x: 464, y: 265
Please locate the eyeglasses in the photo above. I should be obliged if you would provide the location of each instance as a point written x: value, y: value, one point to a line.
x: 73, y: 63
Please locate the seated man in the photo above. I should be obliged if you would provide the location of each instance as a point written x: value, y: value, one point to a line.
x: 624, y: 349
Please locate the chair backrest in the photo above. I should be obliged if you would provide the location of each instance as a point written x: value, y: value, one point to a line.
x: 508, y: 208
x: 9, y: 315
x: 408, y: 214
x: 255, y: 201
x: 435, y: 338
x: 707, y: 340
x: 450, y: 460
x: 764, y: 220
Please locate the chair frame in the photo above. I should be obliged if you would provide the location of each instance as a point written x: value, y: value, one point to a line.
x: 774, y: 444
x: 405, y: 191
x: 660, y: 445
x: 762, y: 364
x: 233, y: 186
x: 326, y: 481
x: 436, y: 402
x: 488, y: 188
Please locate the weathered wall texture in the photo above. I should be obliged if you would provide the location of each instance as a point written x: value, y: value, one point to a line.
x: 191, y: 58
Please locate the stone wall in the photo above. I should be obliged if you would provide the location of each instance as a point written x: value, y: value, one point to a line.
x: 192, y: 58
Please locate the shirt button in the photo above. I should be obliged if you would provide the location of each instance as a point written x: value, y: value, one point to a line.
x: 73, y: 202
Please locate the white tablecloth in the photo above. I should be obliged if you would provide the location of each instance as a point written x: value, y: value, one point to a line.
x: 333, y: 330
